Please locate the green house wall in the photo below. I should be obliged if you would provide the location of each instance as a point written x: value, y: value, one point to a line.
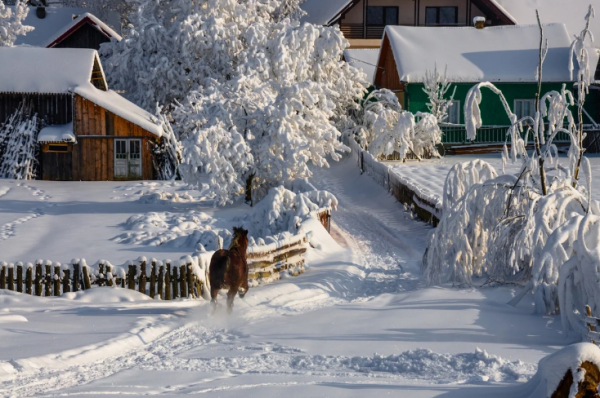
x: 492, y: 111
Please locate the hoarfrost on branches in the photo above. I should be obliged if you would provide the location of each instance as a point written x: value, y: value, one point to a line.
x: 436, y: 86
x: 18, y: 145
x: 269, y: 94
x: 11, y: 22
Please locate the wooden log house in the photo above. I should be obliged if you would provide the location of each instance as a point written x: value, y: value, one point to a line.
x: 89, y: 133
x: 66, y: 27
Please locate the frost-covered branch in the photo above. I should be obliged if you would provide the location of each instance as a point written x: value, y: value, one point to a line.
x: 11, y: 22
x: 436, y: 86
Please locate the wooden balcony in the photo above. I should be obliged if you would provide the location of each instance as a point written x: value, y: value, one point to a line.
x: 356, y: 30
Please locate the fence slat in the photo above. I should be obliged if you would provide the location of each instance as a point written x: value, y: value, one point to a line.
x: 168, y: 282
x: 190, y: 281
x: 66, y: 281
x: 75, y: 277
x: 131, y: 277
x: 20, y: 278
x: 38, y: 279
x: 48, y: 281
x: 175, y: 280
x: 57, y: 280
x: 142, y: 278
x: 11, y: 277
x: 183, y: 280
x: 3, y: 277
x: 153, y: 279
x: 161, y: 273
x: 28, y: 280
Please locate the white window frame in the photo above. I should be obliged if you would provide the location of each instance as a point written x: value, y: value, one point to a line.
x: 455, y: 103
x: 522, y: 101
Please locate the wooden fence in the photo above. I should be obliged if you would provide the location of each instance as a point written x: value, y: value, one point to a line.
x: 166, y: 279
x: 593, y: 324
x: 425, y: 208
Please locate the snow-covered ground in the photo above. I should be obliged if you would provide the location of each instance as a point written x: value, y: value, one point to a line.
x: 359, y: 322
x: 429, y: 174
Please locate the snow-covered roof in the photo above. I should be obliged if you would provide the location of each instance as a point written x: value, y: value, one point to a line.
x: 81, y: 19
x: 365, y: 59
x: 65, y: 70
x: 496, y: 54
x: 57, y: 22
x: 321, y: 12
x: 44, y: 70
x: 59, y: 133
x: 569, y: 12
x: 120, y: 106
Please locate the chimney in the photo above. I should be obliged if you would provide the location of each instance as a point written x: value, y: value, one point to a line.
x: 479, y: 22
x: 40, y: 12
x: 74, y: 17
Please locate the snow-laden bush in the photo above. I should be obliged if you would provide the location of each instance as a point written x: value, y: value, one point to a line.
x: 11, y: 22
x: 283, y: 211
x: 18, y: 145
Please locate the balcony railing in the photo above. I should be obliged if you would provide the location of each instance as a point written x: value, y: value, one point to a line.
x: 457, y: 134
x: 356, y: 30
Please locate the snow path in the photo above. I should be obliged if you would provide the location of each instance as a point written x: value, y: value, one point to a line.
x: 314, y: 335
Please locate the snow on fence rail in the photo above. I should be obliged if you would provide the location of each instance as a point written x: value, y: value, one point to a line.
x: 166, y: 279
x: 426, y: 207
x: 593, y: 324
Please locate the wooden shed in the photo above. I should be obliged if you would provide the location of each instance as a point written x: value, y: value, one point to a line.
x: 90, y: 133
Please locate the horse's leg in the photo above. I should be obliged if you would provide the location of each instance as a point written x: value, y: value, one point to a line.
x: 213, y: 298
x: 230, y: 296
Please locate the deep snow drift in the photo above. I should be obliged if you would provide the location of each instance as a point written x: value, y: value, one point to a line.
x: 357, y: 323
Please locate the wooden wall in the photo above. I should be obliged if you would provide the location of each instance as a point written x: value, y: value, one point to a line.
x: 95, y: 129
x: 85, y: 37
x: 56, y: 166
x: 51, y: 108
x: 388, y: 76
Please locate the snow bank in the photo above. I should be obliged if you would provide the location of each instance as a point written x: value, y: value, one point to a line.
x: 106, y: 295
x: 193, y: 230
x: 283, y: 211
x: 60, y: 133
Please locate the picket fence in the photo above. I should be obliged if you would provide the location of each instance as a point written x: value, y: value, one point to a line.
x: 167, y: 280
x: 426, y: 208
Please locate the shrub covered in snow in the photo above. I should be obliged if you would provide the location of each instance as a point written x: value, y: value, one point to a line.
x: 18, y: 145
x: 533, y: 228
x: 11, y: 22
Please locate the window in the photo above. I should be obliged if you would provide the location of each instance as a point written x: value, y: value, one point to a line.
x: 441, y: 15
x: 382, y: 16
x: 454, y: 113
x: 55, y: 148
x: 524, y: 108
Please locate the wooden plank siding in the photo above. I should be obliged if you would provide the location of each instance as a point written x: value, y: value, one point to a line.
x: 93, y: 157
x: 387, y: 73
x: 53, y: 109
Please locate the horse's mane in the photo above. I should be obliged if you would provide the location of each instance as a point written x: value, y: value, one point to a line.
x: 239, y: 240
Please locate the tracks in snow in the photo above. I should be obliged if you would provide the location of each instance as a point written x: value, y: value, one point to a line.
x: 8, y: 230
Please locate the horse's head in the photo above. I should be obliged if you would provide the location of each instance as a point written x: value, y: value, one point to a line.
x: 240, y: 238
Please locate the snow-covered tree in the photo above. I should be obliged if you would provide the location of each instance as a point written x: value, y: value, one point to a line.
x: 256, y: 97
x: 104, y: 8
x: 18, y: 145
x: 436, y: 87
x: 11, y: 22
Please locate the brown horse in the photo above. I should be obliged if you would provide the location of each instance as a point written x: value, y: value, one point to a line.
x: 229, y: 269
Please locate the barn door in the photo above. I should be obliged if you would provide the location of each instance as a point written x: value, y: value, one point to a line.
x: 128, y: 158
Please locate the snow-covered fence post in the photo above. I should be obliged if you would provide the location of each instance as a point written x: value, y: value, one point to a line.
x: 588, y: 310
x: 131, y: 276
x: 190, y: 279
x: 38, y: 279
x: 66, y: 280
x: 175, y: 281
x: 20, y: 277
x: 168, y: 280
x: 11, y: 277
x: 29, y: 279
x: 153, y: 278
x: 3, y: 276
x: 183, y: 280
x: 47, y: 278
x: 57, y: 279
x: 142, y: 278
x: 86, y: 278
x: 76, y: 267
x: 161, y: 275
